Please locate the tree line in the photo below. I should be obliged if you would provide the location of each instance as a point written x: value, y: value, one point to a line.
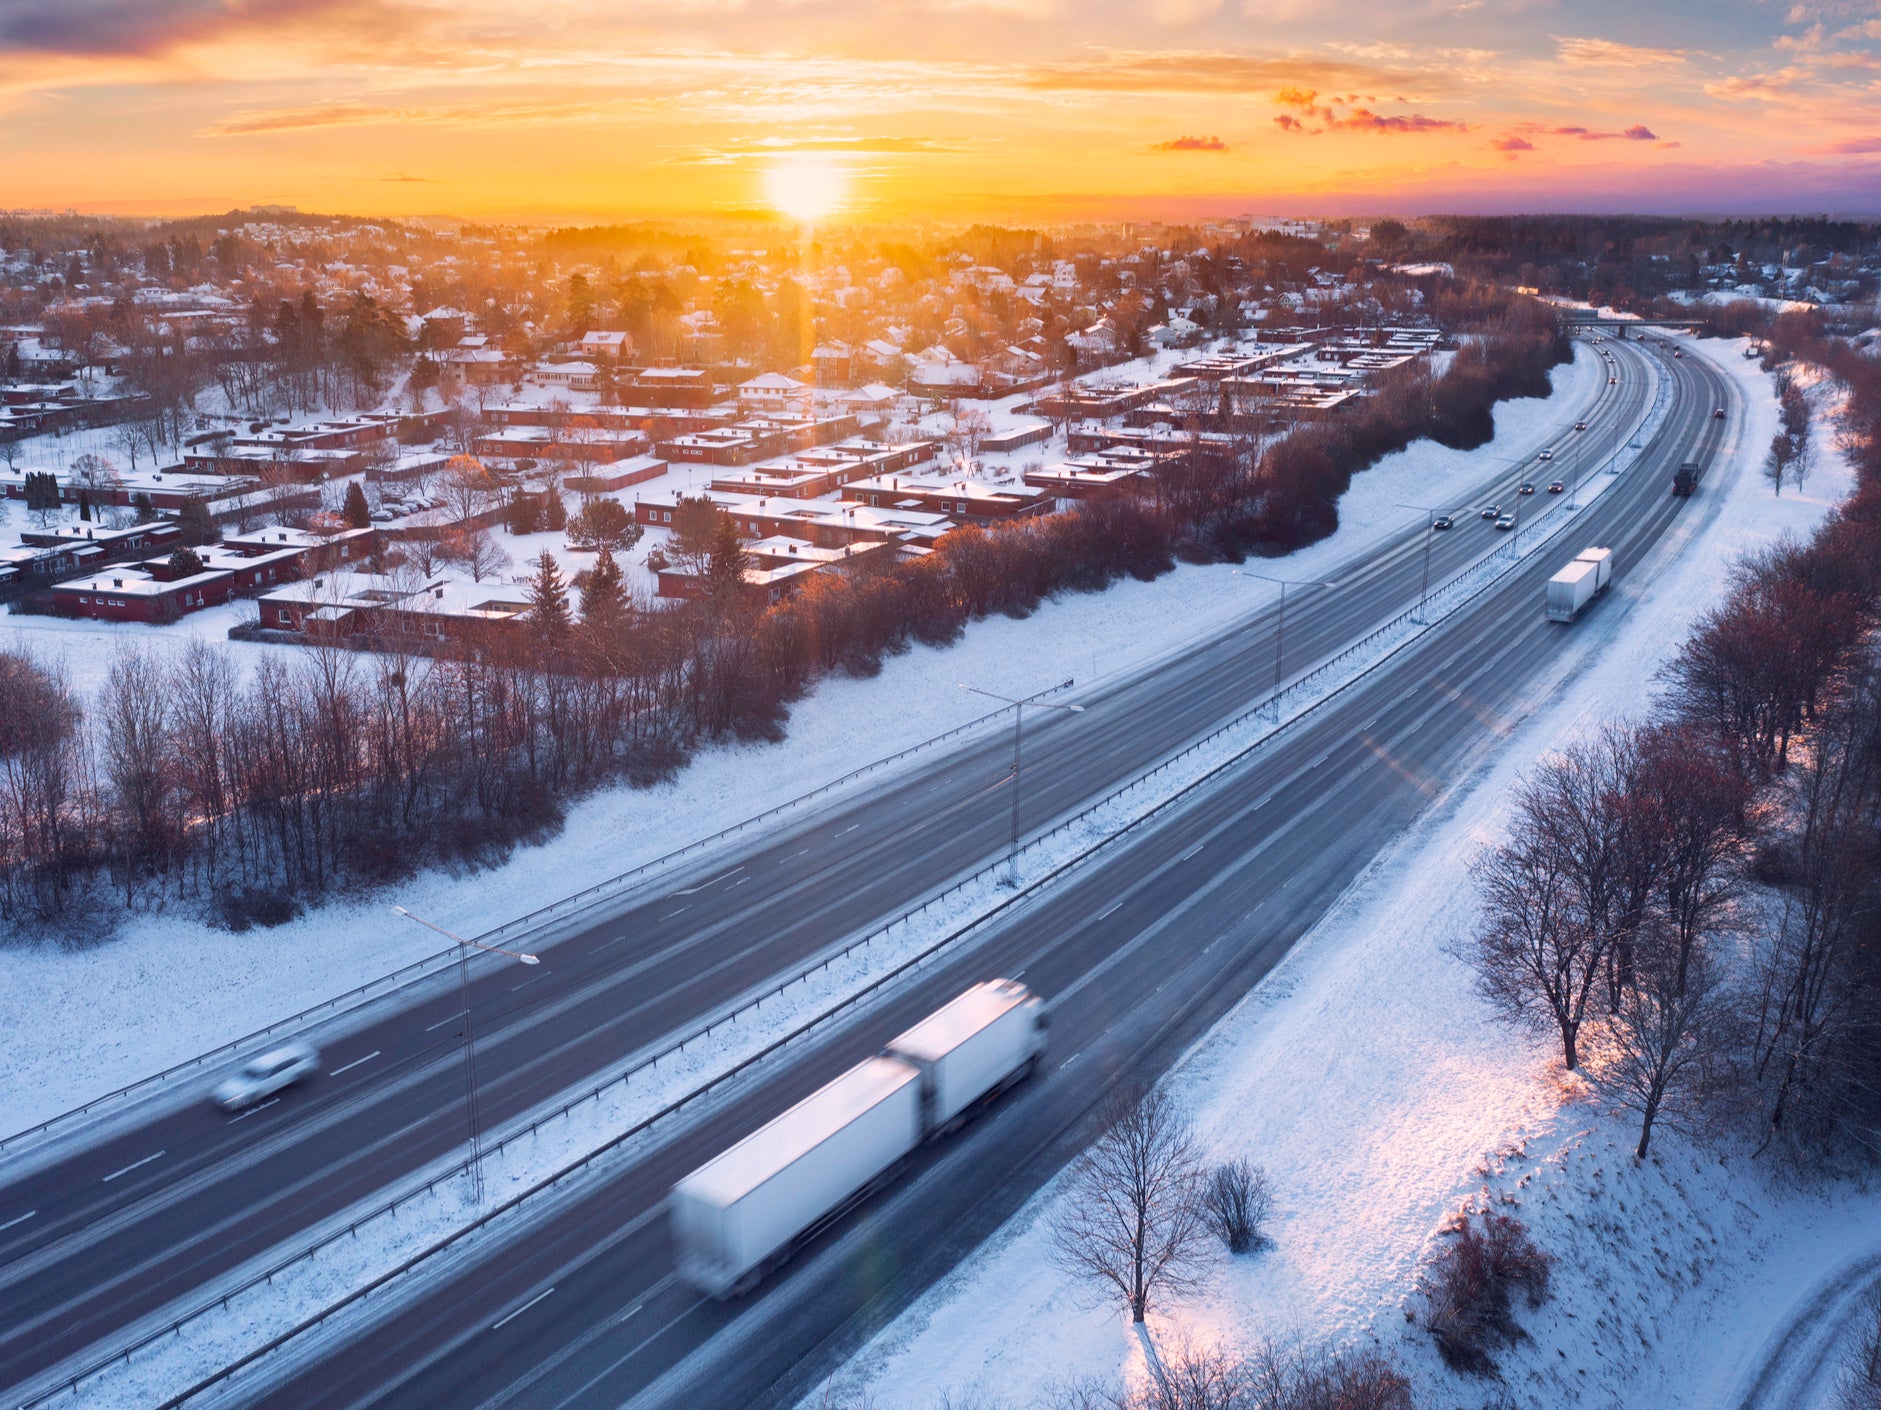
x: 180, y: 779
x: 1691, y: 904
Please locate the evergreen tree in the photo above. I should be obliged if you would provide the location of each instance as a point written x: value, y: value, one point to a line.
x: 725, y: 569
x: 554, y: 511
x: 604, y: 600
x: 84, y: 506
x: 42, y: 490
x: 186, y: 563
x: 548, y: 600
x: 358, y: 512
x: 195, y: 521
x: 523, y: 514
x: 142, y: 511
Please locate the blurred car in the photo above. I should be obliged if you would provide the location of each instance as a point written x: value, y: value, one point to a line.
x: 1545, y: 455
x: 1555, y: 487
x: 1719, y: 413
x: 1442, y: 521
x: 266, y: 1074
x: 1491, y: 511
x: 1613, y: 381
x: 1507, y: 521
x: 1526, y: 489
x: 1580, y: 425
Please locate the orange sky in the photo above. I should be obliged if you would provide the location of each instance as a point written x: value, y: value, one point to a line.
x: 939, y: 108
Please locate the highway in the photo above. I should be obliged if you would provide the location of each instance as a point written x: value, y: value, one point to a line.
x: 578, y: 1307
x: 111, y: 1232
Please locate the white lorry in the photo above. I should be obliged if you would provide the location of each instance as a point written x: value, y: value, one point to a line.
x: 746, y: 1211
x: 1579, y: 583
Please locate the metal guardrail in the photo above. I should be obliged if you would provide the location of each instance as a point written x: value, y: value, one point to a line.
x: 418, y: 969
x: 1502, y: 567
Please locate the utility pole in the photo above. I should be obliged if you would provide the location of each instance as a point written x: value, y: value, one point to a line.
x: 1280, y: 623
x: 464, y: 947
x: 1018, y: 735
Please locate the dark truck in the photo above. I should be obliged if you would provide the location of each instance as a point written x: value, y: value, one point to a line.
x: 1685, y: 479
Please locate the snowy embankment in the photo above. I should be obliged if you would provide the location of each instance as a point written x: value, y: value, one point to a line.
x: 361, y: 1244
x: 1670, y: 1273
x: 167, y: 987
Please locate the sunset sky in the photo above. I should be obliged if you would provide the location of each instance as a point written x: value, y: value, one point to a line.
x: 1039, y: 109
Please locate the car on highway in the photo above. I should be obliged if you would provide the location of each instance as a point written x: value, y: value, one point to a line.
x: 1719, y: 413
x: 1526, y: 488
x: 266, y: 1074
x: 1442, y: 521
x: 1555, y: 487
x: 1580, y: 425
x: 1491, y: 511
x: 1613, y: 381
x: 1506, y: 521
x: 1677, y: 353
x: 1545, y: 455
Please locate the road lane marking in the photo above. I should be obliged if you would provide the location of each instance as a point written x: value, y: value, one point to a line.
x: 1192, y: 851
x: 524, y: 1308
x: 134, y: 1165
x: 1112, y: 907
x: 694, y: 890
x: 615, y: 941
x: 354, y: 1063
x: 681, y: 911
x: 851, y: 828
x: 526, y: 983
x: 442, y: 1021
x: 21, y: 1219
x: 252, y: 1110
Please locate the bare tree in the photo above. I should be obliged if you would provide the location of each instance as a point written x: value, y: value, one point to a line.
x: 1468, y: 1288
x: 1133, y: 1217
x: 480, y: 554
x: 1858, y: 1379
x: 1661, y: 1051
x: 1238, y: 1201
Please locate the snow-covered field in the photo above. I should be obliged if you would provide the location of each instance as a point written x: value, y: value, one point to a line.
x: 166, y: 986
x: 1380, y: 1095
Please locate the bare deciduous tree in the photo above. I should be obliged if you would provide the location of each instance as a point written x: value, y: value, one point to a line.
x: 1133, y: 1218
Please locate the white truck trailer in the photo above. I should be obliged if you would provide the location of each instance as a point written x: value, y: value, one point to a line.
x: 1579, y: 583
x: 746, y: 1211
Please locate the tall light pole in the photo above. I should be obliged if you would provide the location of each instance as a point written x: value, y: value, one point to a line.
x: 464, y: 947
x: 1018, y: 725
x: 1430, y: 533
x: 1280, y: 624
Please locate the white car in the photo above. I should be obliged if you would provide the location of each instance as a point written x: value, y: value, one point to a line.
x: 265, y: 1074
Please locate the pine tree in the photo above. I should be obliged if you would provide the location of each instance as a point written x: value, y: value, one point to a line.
x: 42, y: 490
x: 84, y: 506
x: 554, y: 511
x: 185, y: 563
x: 195, y: 522
x: 548, y: 600
x: 523, y: 514
x: 142, y: 511
x: 358, y: 512
x: 725, y: 569
x: 604, y: 600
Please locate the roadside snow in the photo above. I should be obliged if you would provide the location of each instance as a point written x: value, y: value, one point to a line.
x: 167, y: 986
x: 1670, y: 1273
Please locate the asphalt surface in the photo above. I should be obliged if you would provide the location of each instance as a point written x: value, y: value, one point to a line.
x: 1140, y: 956
x: 1799, y: 1366
x: 113, y: 1232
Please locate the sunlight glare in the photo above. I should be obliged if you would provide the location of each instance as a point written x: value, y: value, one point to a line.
x: 806, y: 186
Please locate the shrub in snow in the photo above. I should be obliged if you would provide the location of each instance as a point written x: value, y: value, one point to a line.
x: 1273, y: 1378
x: 1237, y: 1202
x: 1469, y: 1288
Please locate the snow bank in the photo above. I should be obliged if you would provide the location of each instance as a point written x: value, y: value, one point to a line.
x: 167, y: 987
x: 1668, y: 1270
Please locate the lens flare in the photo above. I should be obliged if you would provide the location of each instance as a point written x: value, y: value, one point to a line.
x: 806, y: 186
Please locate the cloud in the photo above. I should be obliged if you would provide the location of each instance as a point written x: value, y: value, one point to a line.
x: 1189, y: 71
x: 1513, y: 144
x: 427, y: 180
x: 1365, y: 120
x: 1296, y: 97
x: 1852, y: 147
x: 1639, y: 132
x: 138, y: 27
x: 1193, y: 144
x: 1609, y: 53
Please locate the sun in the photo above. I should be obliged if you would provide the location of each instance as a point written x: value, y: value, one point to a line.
x: 806, y: 186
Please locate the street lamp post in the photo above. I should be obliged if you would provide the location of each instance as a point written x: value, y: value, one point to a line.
x: 1018, y: 725
x: 464, y: 947
x: 1280, y: 624
x: 1430, y: 534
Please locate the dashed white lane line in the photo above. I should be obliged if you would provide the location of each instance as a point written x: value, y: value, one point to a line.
x: 18, y: 1219
x: 133, y: 1166
x: 354, y: 1063
x: 1192, y: 851
x: 524, y: 1308
x: 1109, y: 909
